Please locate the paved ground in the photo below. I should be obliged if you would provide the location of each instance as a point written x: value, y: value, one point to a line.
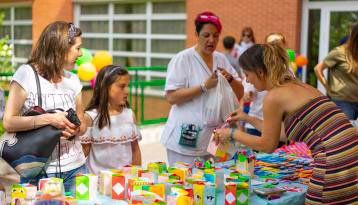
x: 152, y: 150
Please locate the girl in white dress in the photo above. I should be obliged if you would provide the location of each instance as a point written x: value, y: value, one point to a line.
x: 111, y: 141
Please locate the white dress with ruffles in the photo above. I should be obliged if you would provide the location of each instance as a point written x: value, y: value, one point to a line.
x: 111, y: 147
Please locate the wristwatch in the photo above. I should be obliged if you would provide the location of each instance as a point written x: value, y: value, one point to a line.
x: 203, y: 88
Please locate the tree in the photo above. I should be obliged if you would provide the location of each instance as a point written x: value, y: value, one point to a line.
x: 6, y: 51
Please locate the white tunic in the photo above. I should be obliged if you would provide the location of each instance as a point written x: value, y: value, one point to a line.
x: 111, y: 147
x: 187, y: 69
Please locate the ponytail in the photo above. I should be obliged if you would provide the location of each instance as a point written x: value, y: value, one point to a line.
x: 276, y: 61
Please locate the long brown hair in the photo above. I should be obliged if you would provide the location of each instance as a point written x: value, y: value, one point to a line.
x: 250, y: 31
x: 50, y: 52
x: 352, y: 49
x: 100, y: 99
x: 271, y: 59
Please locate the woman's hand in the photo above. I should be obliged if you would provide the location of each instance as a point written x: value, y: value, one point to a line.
x: 211, y: 82
x: 221, y: 136
x: 226, y: 74
x: 60, y: 121
x: 236, y: 116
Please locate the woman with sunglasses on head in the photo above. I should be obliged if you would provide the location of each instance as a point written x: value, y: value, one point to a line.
x: 53, y: 58
x: 191, y: 73
x: 111, y: 141
x: 307, y: 116
x: 247, y: 40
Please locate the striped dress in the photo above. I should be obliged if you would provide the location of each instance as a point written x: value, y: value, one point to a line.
x: 334, y: 144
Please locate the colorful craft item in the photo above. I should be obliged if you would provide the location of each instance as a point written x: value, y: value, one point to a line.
x: 159, y: 167
x: 86, y: 187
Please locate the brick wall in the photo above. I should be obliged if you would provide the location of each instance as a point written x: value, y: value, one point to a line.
x: 264, y: 16
x: 47, y: 11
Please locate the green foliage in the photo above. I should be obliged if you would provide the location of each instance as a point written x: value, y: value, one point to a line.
x: 2, y: 130
x: 6, y: 52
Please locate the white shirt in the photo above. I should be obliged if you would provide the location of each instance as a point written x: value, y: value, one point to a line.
x: 187, y: 69
x: 111, y: 147
x: 54, y: 95
x: 256, y: 104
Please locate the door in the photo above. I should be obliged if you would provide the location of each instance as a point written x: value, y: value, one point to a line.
x: 325, y: 25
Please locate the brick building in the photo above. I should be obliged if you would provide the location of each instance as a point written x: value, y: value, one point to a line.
x: 150, y: 32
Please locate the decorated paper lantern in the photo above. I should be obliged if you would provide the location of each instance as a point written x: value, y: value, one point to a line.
x: 101, y: 59
x: 291, y: 54
x: 301, y: 61
x: 85, y: 58
x: 86, y: 71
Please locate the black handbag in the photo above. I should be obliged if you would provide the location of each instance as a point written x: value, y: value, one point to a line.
x: 28, y: 152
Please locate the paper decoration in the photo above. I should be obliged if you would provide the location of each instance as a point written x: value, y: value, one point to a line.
x: 159, y: 167
x: 199, y: 194
x: 86, y: 187
x: 210, y: 194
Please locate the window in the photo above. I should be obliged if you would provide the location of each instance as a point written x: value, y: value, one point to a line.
x: 17, y: 24
x: 138, y: 34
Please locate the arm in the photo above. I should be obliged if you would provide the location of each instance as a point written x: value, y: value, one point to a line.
x: 271, y: 129
x: 136, y: 154
x: 13, y: 122
x: 318, y: 70
x: 237, y: 88
x: 88, y: 121
x: 183, y: 95
x: 81, y: 115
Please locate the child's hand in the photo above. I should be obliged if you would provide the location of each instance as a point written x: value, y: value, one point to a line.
x: 236, y: 116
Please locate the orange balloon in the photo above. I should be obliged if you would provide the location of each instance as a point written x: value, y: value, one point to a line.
x: 301, y: 61
x: 101, y: 59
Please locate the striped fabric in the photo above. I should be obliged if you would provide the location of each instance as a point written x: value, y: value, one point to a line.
x: 334, y: 144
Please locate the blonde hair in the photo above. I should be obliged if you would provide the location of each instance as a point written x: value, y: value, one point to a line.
x: 272, y: 59
x: 352, y: 49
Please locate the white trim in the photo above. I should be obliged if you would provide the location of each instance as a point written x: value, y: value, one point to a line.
x: 334, y: 5
x: 21, y: 42
x: 99, y: 17
x: 168, y: 17
x: 169, y: 36
x: 304, y: 36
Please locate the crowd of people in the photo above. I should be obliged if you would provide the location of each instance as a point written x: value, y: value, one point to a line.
x: 282, y: 107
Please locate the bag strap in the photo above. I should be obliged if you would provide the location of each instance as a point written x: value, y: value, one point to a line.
x: 39, y: 95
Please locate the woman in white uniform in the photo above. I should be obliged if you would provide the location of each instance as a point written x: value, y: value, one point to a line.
x: 191, y: 73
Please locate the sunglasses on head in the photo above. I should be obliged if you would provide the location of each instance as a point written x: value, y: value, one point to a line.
x: 247, y: 35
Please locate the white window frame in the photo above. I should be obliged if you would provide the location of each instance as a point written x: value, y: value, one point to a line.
x: 12, y: 22
x: 148, y: 36
x: 326, y: 8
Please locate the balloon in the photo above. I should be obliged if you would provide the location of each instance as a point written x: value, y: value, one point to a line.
x: 85, y: 58
x: 291, y: 54
x: 294, y: 67
x: 93, y: 81
x: 101, y: 59
x: 86, y: 71
x: 301, y: 61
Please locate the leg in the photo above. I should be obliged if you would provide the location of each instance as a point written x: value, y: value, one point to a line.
x: 347, y: 107
x: 70, y: 178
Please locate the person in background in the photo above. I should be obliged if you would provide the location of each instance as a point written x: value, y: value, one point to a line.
x: 192, y: 73
x: 246, y: 41
x: 229, y: 44
x: 308, y: 116
x: 342, y: 83
x: 53, y: 57
x: 111, y: 141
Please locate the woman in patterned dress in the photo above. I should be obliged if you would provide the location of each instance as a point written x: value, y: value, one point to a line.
x: 308, y: 116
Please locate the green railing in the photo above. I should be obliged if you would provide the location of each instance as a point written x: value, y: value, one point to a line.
x: 136, y: 87
x: 136, y: 84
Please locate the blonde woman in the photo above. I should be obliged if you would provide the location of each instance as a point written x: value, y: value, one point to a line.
x: 308, y: 116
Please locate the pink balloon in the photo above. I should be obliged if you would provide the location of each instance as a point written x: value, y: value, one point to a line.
x: 93, y: 81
